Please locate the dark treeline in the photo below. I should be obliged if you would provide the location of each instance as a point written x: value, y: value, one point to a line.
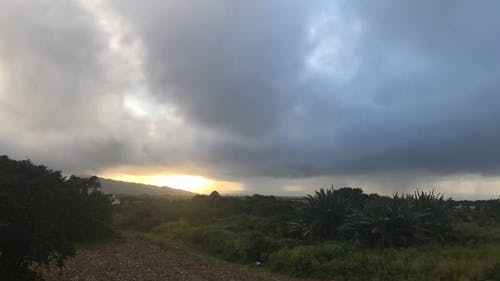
x: 146, y: 212
x: 335, y: 214
x: 43, y: 214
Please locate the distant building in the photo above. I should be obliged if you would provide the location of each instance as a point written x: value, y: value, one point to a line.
x: 114, y: 199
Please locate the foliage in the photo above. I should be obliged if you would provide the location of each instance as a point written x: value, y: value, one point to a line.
x: 402, y: 220
x: 327, y: 211
x: 239, y: 238
x: 342, y: 234
x: 42, y: 215
x: 142, y: 213
x: 348, y: 261
x: 145, y: 212
x: 307, y: 260
x: 485, y: 212
x: 492, y: 274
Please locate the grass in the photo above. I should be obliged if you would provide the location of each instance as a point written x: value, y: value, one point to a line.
x: 337, y: 260
x: 468, y: 261
x: 428, y: 263
x: 243, y: 271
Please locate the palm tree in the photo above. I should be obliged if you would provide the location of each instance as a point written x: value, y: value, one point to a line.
x: 327, y: 210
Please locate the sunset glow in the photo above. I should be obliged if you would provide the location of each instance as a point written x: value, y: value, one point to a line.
x: 185, y: 182
x: 193, y: 183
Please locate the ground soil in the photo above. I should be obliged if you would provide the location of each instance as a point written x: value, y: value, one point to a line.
x: 135, y: 259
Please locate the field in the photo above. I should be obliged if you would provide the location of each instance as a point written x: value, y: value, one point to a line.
x: 461, y: 241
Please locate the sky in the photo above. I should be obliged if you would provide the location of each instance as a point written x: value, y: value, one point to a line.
x: 270, y: 97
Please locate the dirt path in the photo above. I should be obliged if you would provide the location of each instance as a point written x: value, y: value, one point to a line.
x: 134, y: 259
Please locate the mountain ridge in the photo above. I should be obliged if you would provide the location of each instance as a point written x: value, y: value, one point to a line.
x: 133, y: 188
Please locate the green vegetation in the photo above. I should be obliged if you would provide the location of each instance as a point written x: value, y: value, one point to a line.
x: 342, y: 234
x: 346, y: 261
x: 43, y: 214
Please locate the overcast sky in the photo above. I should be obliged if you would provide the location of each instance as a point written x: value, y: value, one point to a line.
x: 280, y: 97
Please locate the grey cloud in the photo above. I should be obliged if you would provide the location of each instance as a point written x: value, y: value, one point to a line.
x: 231, y: 66
x: 60, y: 104
x: 51, y: 64
x: 422, y: 99
x: 283, y: 91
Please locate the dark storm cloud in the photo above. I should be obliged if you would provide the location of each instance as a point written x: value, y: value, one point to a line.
x: 431, y: 71
x: 236, y: 90
x: 423, y: 98
x: 228, y: 65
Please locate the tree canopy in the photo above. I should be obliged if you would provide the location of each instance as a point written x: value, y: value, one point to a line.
x: 42, y: 215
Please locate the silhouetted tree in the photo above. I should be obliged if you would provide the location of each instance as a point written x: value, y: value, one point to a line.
x: 43, y: 213
x: 215, y: 195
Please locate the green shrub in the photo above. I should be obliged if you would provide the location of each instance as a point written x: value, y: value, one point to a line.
x: 240, y: 247
x: 327, y: 210
x: 178, y: 230
x: 352, y: 236
x: 143, y: 213
x: 141, y: 218
x: 354, y: 263
x: 307, y: 260
x: 229, y: 238
x: 492, y: 273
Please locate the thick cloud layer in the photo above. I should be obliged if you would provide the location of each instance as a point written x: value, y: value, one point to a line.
x: 380, y: 94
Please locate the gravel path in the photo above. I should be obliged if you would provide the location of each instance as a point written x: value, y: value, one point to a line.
x: 134, y: 259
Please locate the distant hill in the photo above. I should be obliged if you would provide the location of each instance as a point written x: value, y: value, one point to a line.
x: 131, y: 188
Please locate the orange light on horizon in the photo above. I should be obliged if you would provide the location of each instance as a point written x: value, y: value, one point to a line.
x: 192, y: 183
x: 185, y: 182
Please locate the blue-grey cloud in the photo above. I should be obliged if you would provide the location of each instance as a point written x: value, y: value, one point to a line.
x: 255, y: 90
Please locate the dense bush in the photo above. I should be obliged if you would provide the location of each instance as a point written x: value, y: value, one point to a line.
x: 343, y: 234
x: 310, y: 260
x: 42, y: 215
x: 346, y: 261
x: 485, y: 212
x: 348, y: 214
x: 402, y: 220
x: 241, y: 239
x: 145, y: 212
x: 327, y: 211
x: 492, y: 274
x: 142, y: 213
